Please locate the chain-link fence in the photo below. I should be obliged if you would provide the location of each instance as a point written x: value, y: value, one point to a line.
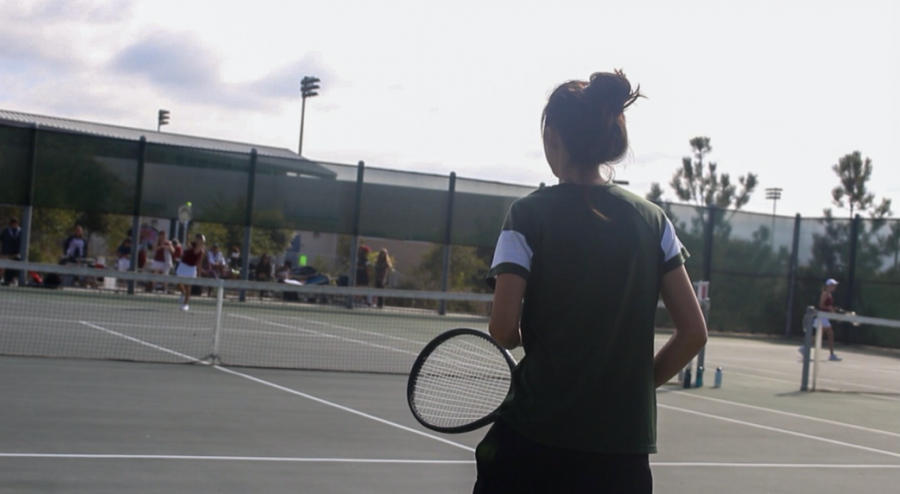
x: 763, y: 269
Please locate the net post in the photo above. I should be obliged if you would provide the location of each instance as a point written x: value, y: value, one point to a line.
x: 808, y: 319
x: 792, y: 276
x: 248, y: 224
x: 445, y: 263
x: 217, y: 331
x: 701, y: 356
x: 702, y: 290
x: 815, y: 373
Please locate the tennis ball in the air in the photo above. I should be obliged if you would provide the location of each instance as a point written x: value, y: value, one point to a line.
x: 188, y: 203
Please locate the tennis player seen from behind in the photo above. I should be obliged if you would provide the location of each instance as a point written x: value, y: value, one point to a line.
x: 590, y: 260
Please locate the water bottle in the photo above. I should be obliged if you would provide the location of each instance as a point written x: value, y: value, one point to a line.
x: 687, y: 378
x: 698, y: 383
x: 718, y: 383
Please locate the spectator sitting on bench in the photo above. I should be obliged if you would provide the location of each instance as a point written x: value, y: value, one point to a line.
x: 217, y: 262
x: 123, y: 254
x: 264, y: 269
x: 75, y: 247
x: 283, y: 273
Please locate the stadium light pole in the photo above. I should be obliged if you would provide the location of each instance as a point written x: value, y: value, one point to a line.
x: 163, y: 119
x: 309, y: 87
x: 773, y: 194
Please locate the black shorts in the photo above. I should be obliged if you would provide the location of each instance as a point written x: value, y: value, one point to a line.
x: 508, y: 462
x: 362, y: 277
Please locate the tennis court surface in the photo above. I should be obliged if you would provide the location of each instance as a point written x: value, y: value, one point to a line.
x: 126, y: 401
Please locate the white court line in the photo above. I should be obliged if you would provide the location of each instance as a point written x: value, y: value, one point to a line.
x: 285, y: 389
x: 788, y: 414
x: 153, y: 325
x: 142, y: 342
x: 789, y: 381
x: 862, y: 466
x: 821, y: 379
x: 757, y: 376
x: 461, y: 446
x: 237, y: 458
x: 150, y: 304
x: 156, y: 326
x: 783, y: 431
x: 346, y: 409
x: 355, y: 330
x: 895, y: 369
x: 326, y: 335
x: 278, y: 459
x: 345, y: 328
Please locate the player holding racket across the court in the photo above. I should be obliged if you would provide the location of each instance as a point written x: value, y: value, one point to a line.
x: 187, y: 268
x: 826, y: 303
x: 590, y: 261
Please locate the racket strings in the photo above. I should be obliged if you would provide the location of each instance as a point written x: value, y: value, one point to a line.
x: 464, y: 379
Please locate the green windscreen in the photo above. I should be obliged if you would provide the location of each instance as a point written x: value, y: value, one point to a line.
x: 750, y: 270
x: 877, y: 282
x: 403, y: 205
x: 304, y: 195
x: 14, y: 145
x: 479, y: 208
x: 215, y: 183
x: 85, y: 173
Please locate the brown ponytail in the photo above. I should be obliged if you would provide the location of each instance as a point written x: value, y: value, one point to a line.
x: 589, y: 118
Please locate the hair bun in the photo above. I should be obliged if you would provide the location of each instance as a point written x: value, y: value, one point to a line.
x: 611, y: 90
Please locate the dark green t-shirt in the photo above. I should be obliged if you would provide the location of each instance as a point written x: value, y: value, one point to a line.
x: 586, y: 381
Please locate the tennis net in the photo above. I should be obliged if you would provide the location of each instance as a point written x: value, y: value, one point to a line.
x: 82, y: 312
x: 74, y: 311
x: 858, y: 370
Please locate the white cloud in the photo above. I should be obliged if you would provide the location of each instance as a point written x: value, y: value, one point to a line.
x: 460, y: 86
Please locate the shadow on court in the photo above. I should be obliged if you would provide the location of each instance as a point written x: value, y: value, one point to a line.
x: 99, y: 426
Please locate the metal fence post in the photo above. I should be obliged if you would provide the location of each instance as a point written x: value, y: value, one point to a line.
x: 792, y: 277
x: 707, y: 274
x: 445, y: 264
x: 248, y: 224
x: 851, y: 272
x: 136, y: 211
x: 808, y: 319
x: 354, y: 240
x: 708, y: 232
x: 28, y: 210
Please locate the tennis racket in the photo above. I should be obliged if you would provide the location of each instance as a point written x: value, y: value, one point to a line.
x: 848, y: 313
x: 459, y: 381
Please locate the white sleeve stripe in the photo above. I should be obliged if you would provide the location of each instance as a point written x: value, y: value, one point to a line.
x: 512, y: 247
x: 670, y: 244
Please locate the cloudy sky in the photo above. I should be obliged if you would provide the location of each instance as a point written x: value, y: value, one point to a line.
x: 783, y: 88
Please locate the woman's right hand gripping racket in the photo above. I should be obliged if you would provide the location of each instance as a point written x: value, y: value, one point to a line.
x: 459, y: 381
